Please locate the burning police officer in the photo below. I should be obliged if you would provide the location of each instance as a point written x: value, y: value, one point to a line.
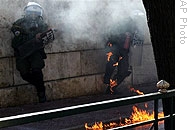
x: 124, y: 36
x: 29, y: 47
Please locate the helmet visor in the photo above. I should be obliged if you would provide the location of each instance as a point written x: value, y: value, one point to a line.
x: 33, y: 10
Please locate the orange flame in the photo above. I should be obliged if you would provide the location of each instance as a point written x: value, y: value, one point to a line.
x: 138, y: 115
x: 109, y: 54
x: 116, y: 64
x: 136, y: 91
x: 96, y: 126
x: 113, y: 83
x: 146, y: 105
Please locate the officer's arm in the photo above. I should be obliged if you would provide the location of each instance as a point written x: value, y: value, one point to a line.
x: 17, y: 39
x: 43, y: 28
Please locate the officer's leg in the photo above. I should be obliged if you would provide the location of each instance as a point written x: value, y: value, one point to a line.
x: 23, y: 66
x: 35, y: 77
x: 109, y: 71
x: 39, y: 84
x: 122, y: 71
x: 111, y: 60
x: 27, y: 77
x: 110, y: 68
x: 37, y: 64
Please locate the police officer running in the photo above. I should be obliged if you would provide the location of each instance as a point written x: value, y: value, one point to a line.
x: 28, y: 29
x: 123, y: 36
x: 117, y: 48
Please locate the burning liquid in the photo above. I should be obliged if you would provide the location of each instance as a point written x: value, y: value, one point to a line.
x: 136, y: 91
x: 137, y: 115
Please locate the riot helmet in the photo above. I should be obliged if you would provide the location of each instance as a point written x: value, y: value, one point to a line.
x: 33, y: 10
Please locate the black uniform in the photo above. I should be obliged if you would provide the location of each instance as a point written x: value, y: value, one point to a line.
x: 118, y: 44
x: 30, y: 67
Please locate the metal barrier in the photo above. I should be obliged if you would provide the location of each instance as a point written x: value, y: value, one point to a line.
x: 84, y: 108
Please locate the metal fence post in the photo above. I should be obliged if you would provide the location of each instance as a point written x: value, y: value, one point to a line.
x: 156, y: 114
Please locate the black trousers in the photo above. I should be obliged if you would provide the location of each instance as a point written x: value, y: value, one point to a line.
x: 35, y: 77
x: 30, y: 70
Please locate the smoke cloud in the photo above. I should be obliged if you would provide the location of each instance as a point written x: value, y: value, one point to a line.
x: 89, y: 20
x: 82, y: 20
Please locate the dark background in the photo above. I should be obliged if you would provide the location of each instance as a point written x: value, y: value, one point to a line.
x: 161, y: 22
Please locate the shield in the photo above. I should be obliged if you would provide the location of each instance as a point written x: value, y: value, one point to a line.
x: 136, y: 50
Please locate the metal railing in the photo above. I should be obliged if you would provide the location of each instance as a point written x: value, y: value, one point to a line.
x: 84, y: 108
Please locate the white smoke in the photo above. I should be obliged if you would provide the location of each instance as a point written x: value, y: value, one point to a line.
x: 88, y: 19
x: 84, y: 20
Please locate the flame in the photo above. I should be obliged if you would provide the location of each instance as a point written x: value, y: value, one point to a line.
x: 109, y: 54
x: 116, y: 64
x: 137, y: 115
x: 120, y: 58
x: 136, y: 91
x: 146, y: 105
x: 113, y: 83
x: 96, y: 126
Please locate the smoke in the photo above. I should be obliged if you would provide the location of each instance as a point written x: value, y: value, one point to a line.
x: 88, y: 20
x: 83, y: 20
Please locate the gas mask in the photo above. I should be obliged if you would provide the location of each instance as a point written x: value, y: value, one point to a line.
x: 33, y: 25
x: 32, y: 12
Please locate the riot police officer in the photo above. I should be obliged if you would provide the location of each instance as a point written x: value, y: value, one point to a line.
x: 27, y: 29
x: 124, y: 35
x: 117, y: 66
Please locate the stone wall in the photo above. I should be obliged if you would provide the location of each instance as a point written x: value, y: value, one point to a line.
x: 75, y: 61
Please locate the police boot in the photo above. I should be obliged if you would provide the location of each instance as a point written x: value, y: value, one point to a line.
x: 41, y: 97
